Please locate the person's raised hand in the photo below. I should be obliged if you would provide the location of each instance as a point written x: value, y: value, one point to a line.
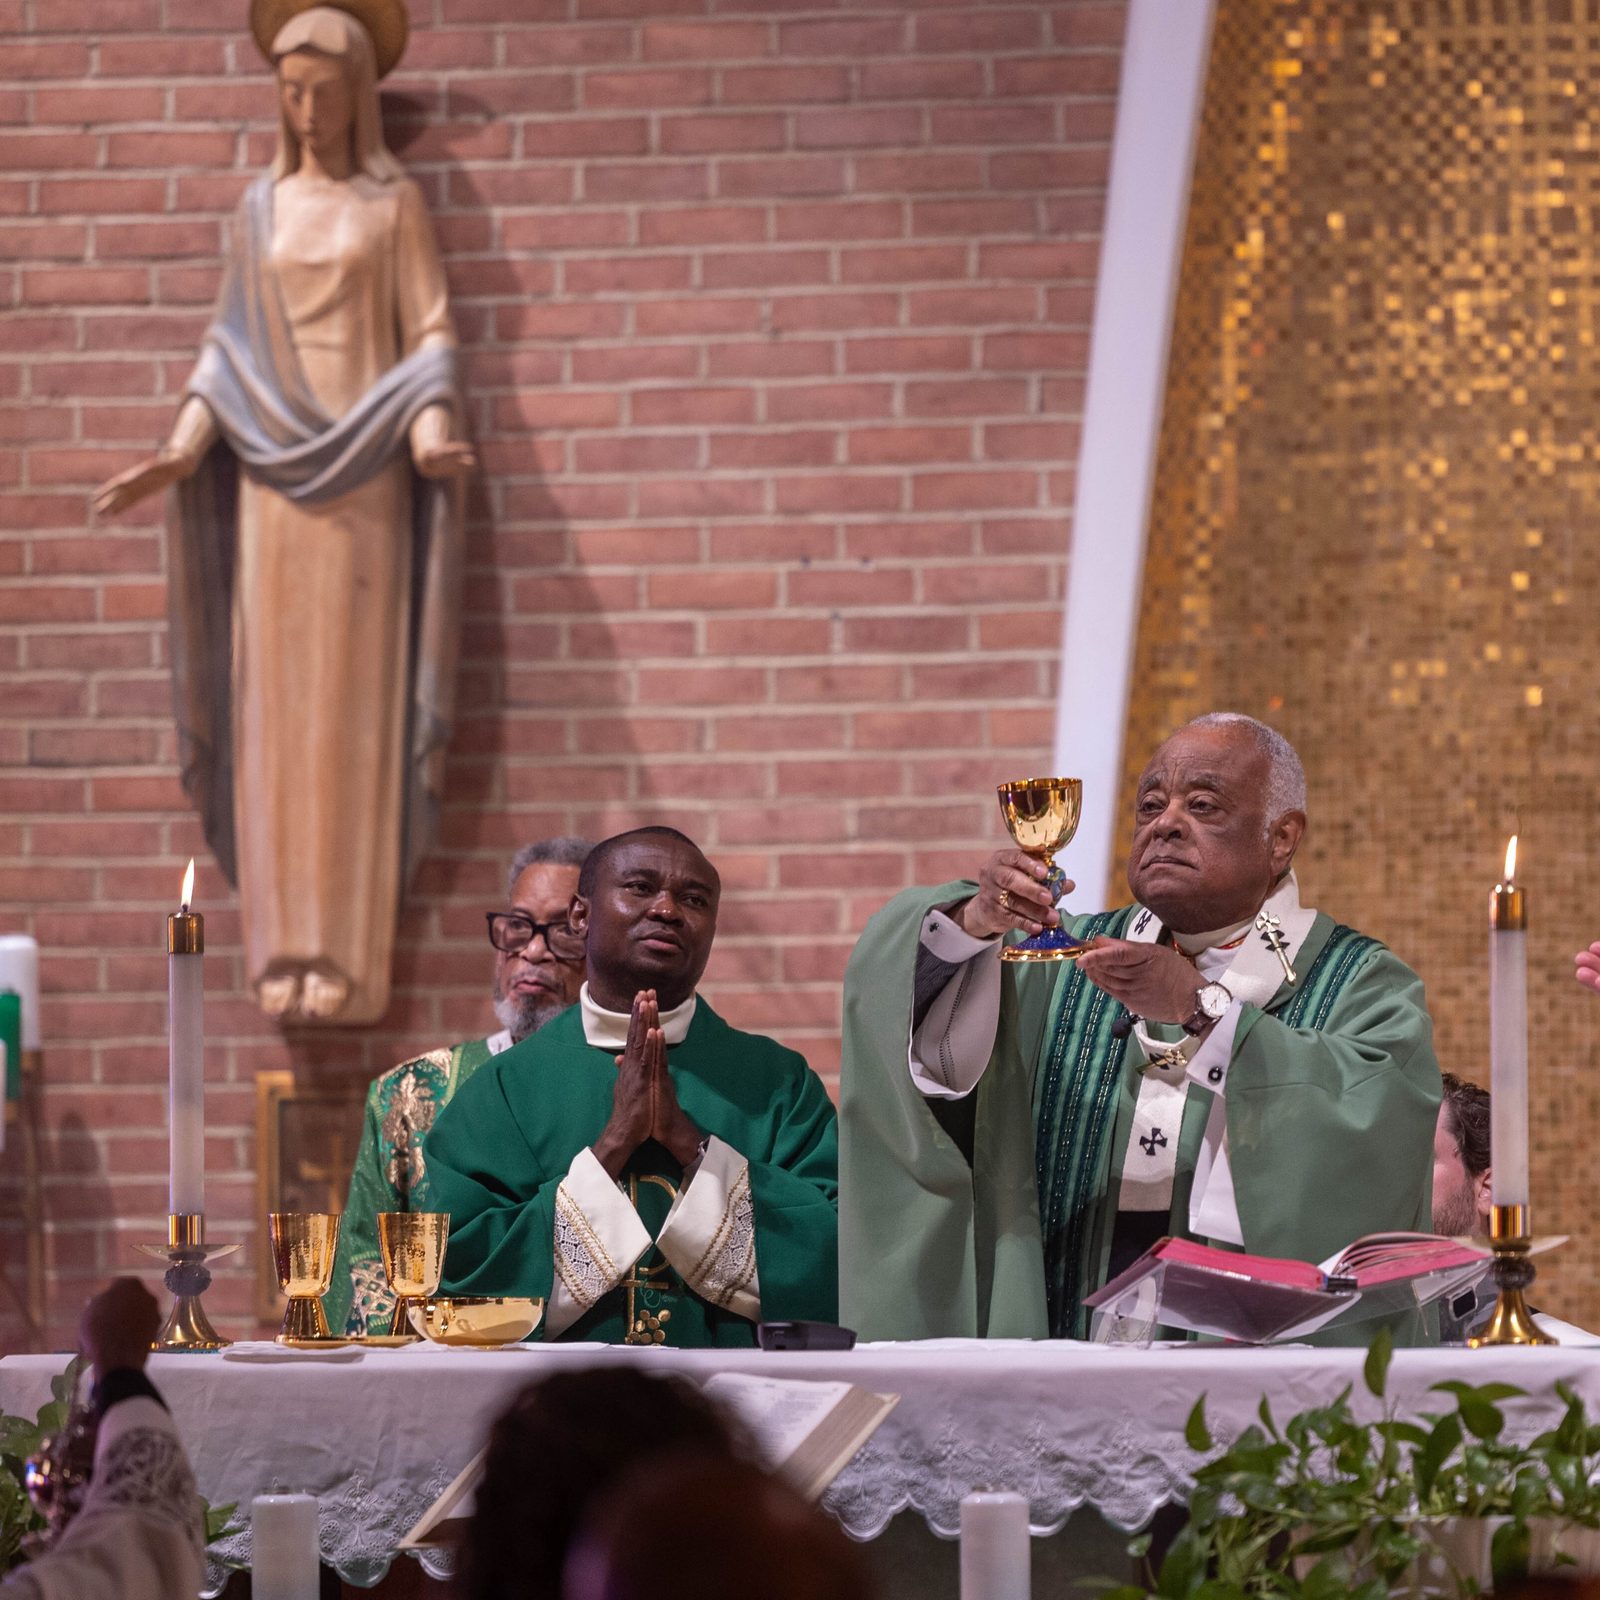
x: 1011, y: 894
x: 118, y: 1326
x: 1151, y: 980
x: 1588, y: 967
x: 633, y: 1095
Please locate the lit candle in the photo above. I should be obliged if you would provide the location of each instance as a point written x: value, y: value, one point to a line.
x: 186, y: 1125
x: 1508, y: 1036
x: 995, y: 1554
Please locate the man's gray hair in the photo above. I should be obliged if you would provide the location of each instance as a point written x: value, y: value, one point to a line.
x: 1286, y: 778
x: 567, y: 850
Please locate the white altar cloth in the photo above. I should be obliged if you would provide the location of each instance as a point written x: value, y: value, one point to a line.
x: 377, y: 1434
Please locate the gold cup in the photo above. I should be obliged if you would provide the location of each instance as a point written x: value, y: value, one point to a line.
x: 1041, y: 815
x: 412, y: 1246
x: 303, y: 1245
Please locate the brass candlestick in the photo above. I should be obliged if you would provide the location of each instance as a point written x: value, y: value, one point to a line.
x: 187, y: 1326
x: 1511, y: 1322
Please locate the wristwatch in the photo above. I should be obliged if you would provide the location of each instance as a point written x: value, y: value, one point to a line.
x: 1211, y: 1003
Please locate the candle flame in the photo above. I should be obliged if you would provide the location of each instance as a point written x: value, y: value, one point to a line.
x: 188, y: 885
x: 1511, y: 858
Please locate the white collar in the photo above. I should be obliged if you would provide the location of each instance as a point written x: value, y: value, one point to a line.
x: 608, y: 1030
x: 499, y: 1042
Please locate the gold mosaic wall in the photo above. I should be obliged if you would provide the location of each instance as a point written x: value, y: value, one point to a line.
x: 1377, y: 513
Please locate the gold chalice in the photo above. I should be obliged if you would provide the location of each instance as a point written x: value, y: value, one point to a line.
x: 412, y: 1246
x: 1042, y: 816
x: 303, y: 1243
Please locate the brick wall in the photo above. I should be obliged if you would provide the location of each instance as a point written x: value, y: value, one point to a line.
x: 775, y: 316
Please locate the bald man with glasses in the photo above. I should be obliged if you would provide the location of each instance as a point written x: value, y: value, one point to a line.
x: 538, y: 971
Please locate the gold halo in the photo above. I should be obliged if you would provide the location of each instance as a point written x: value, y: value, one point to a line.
x: 384, y: 20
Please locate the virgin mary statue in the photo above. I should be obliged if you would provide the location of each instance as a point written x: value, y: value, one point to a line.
x: 314, y: 530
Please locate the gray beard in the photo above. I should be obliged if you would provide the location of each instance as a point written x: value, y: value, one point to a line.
x: 522, y: 1015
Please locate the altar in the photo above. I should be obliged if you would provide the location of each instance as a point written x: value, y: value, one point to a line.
x: 377, y: 1434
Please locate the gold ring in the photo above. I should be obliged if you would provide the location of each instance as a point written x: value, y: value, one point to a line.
x: 1005, y: 900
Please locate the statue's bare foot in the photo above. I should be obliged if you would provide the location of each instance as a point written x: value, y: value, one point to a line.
x: 322, y: 995
x: 279, y: 994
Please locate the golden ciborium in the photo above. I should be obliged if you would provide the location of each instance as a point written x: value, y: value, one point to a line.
x: 1042, y: 815
x: 303, y: 1245
x: 412, y: 1246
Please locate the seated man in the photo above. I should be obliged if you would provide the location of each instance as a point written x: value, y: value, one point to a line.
x: 1224, y: 1063
x: 656, y: 1175
x: 538, y: 967
x: 1463, y: 1195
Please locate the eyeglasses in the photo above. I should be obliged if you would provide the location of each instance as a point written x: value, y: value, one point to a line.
x: 510, y: 931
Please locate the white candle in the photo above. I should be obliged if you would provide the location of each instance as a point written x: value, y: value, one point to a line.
x: 186, y: 1129
x: 994, y: 1546
x: 283, y: 1547
x: 19, y: 970
x: 1508, y: 1037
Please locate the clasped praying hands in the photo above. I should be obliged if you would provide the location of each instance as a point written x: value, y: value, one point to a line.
x: 644, y: 1103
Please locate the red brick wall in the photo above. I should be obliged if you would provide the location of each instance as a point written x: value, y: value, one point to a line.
x: 775, y: 315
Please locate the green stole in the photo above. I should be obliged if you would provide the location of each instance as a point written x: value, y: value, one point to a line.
x: 1084, y: 1096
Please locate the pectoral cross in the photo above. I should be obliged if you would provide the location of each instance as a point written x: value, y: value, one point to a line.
x: 1153, y: 1141
x: 1272, y: 936
x: 1170, y: 1060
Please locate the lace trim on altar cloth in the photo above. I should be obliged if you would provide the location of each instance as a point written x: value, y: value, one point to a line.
x: 359, y: 1525
x: 728, y: 1264
x: 1127, y: 1475
x: 586, y: 1270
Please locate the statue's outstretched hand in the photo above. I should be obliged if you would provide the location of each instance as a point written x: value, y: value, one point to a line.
x: 139, y: 482
x: 1588, y: 967
x: 450, y: 458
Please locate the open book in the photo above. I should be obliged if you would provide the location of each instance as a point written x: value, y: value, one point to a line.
x: 806, y: 1432
x: 1178, y: 1283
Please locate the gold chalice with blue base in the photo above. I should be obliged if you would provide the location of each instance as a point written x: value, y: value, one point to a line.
x: 1042, y: 816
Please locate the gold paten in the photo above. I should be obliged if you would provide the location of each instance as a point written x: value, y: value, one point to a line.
x: 186, y: 1252
x: 480, y: 1322
x: 1510, y: 1236
x: 303, y: 1246
x: 1041, y: 815
x: 412, y: 1246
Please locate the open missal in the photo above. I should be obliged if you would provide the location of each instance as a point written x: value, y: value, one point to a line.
x: 806, y: 1432
x: 1178, y: 1283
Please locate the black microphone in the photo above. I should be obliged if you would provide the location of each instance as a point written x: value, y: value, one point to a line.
x: 1123, y: 1026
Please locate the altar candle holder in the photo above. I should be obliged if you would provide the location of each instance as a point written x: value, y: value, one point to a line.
x: 187, y: 1327
x: 1511, y: 1239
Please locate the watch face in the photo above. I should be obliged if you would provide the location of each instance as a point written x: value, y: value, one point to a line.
x: 1214, y: 1000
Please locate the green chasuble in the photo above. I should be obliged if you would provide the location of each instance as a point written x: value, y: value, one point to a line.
x: 389, y: 1167
x: 1331, y: 1099
x: 498, y: 1154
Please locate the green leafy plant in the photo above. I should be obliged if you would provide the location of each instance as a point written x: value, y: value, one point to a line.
x: 19, y: 1438
x: 1326, y: 1505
